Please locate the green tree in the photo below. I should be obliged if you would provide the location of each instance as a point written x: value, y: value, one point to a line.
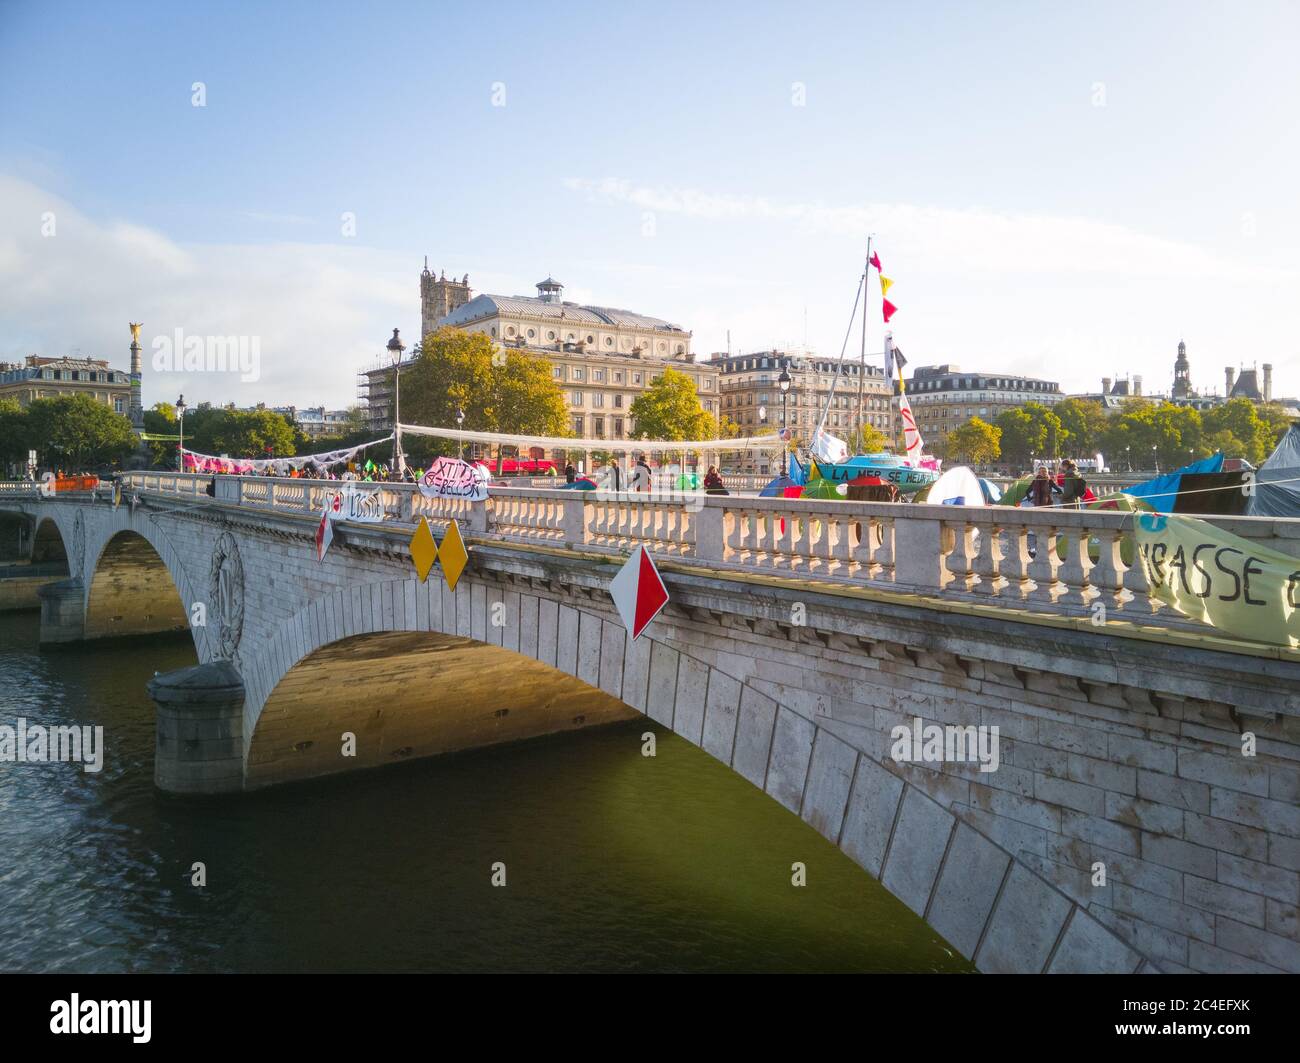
x: 1143, y: 433
x: 867, y: 439
x: 76, y: 433
x: 670, y: 409
x: 1031, y: 430
x: 507, y: 391
x: 240, y: 433
x: 975, y: 443
x: 14, y: 433
x: 160, y: 419
x: 1083, y: 423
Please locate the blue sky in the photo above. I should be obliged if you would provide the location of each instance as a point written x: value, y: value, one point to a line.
x: 1065, y: 192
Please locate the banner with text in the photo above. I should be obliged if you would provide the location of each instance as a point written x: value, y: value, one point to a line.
x: 454, y: 478
x: 1235, y: 585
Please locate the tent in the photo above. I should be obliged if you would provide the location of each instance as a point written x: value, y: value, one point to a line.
x: 1160, y: 493
x: 776, y: 489
x: 956, y: 487
x: 1277, y: 481
x: 1015, y: 492
x: 992, y: 492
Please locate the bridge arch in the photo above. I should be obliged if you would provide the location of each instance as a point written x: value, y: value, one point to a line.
x: 48, y: 543
x: 990, y: 905
x: 135, y: 583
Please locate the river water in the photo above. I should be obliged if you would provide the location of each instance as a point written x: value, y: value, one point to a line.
x: 613, y: 861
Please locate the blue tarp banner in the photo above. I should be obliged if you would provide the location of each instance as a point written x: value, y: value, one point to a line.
x: 1159, y: 493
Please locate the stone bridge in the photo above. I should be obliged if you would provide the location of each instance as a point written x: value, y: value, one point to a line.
x: 1123, y: 830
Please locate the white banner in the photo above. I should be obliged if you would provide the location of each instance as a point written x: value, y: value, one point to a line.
x: 454, y: 478
x: 367, y: 507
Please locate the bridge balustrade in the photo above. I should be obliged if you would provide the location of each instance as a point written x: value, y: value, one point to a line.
x: 1059, y: 561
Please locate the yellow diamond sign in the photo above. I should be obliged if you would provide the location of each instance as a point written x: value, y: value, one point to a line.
x: 424, y: 551
x: 453, y: 555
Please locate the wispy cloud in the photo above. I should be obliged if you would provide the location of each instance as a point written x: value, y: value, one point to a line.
x: 963, y: 239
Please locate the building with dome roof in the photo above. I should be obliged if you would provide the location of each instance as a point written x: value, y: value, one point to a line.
x: 602, y: 357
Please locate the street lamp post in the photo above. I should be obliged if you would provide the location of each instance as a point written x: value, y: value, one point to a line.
x: 180, y: 434
x: 1155, y: 459
x: 460, y: 443
x: 783, y: 382
x: 1128, y: 458
x: 395, y: 349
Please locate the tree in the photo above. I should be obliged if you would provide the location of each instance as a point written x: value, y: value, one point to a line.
x: 75, y: 433
x: 1029, y: 431
x: 867, y: 439
x: 240, y: 433
x: 14, y: 433
x: 499, y: 391
x: 1142, y: 434
x: 1083, y: 421
x: 670, y: 409
x: 160, y: 419
x: 975, y: 443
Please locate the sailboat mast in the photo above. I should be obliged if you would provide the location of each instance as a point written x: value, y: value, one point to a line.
x: 862, y: 365
x: 830, y: 396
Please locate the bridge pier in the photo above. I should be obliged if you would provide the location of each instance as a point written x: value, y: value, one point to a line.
x: 63, y: 612
x: 200, y: 729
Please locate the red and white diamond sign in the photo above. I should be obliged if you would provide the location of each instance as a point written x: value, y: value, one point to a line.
x: 638, y: 592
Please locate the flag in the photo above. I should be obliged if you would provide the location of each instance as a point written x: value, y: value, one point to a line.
x: 885, y: 284
x: 875, y: 260
x: 324, y: 534
x: 889, y: 356
x: 888, y: 308
x: 117, y: 493
x: 912, y: 441
x: 899, y: 361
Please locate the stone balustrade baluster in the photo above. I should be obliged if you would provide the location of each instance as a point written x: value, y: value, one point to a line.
x: 961, y: 556
x: 1107, y: 575
x: 1142, y: 603
x: 1016, y: 561
x: 1074, y: 571
x: 1043, y: 568
x: 988, y: 561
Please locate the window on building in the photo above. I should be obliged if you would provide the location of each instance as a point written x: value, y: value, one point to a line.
x: 708, y: 383
x: 598, y: 398
x: 618, y: 376
x: 577, y: 425
x: 618, y: 402
x: 598, y: 376
x: 558, y: 372
x: 636, y: 378
x: 598, y: 427
x: 618, y: 427
x: 578, y: 372
x: 575, y: 398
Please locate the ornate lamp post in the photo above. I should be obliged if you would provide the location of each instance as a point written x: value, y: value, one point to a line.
x: 460, y: 443
x: 783, y: 382
x: 180, y: 444
x: 395, y: 349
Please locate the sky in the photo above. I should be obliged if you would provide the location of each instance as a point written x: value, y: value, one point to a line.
x: 1063, y: 191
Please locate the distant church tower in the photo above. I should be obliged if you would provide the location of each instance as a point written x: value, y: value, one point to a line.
x: 439, y: 297
x: 1182, y: 373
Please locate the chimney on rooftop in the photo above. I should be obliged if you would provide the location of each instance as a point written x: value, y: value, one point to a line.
x: 1228, y: 375
x: 1137, y: 385
x: 1268, y: 382
x: 1105, y: 385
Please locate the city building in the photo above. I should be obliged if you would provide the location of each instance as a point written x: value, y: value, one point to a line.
x: 603, y: 358
x: 316, y: 421
x: 1253, y: 384
x: 943, y: 398
x: 48, y: 378
x: 751, y: 396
